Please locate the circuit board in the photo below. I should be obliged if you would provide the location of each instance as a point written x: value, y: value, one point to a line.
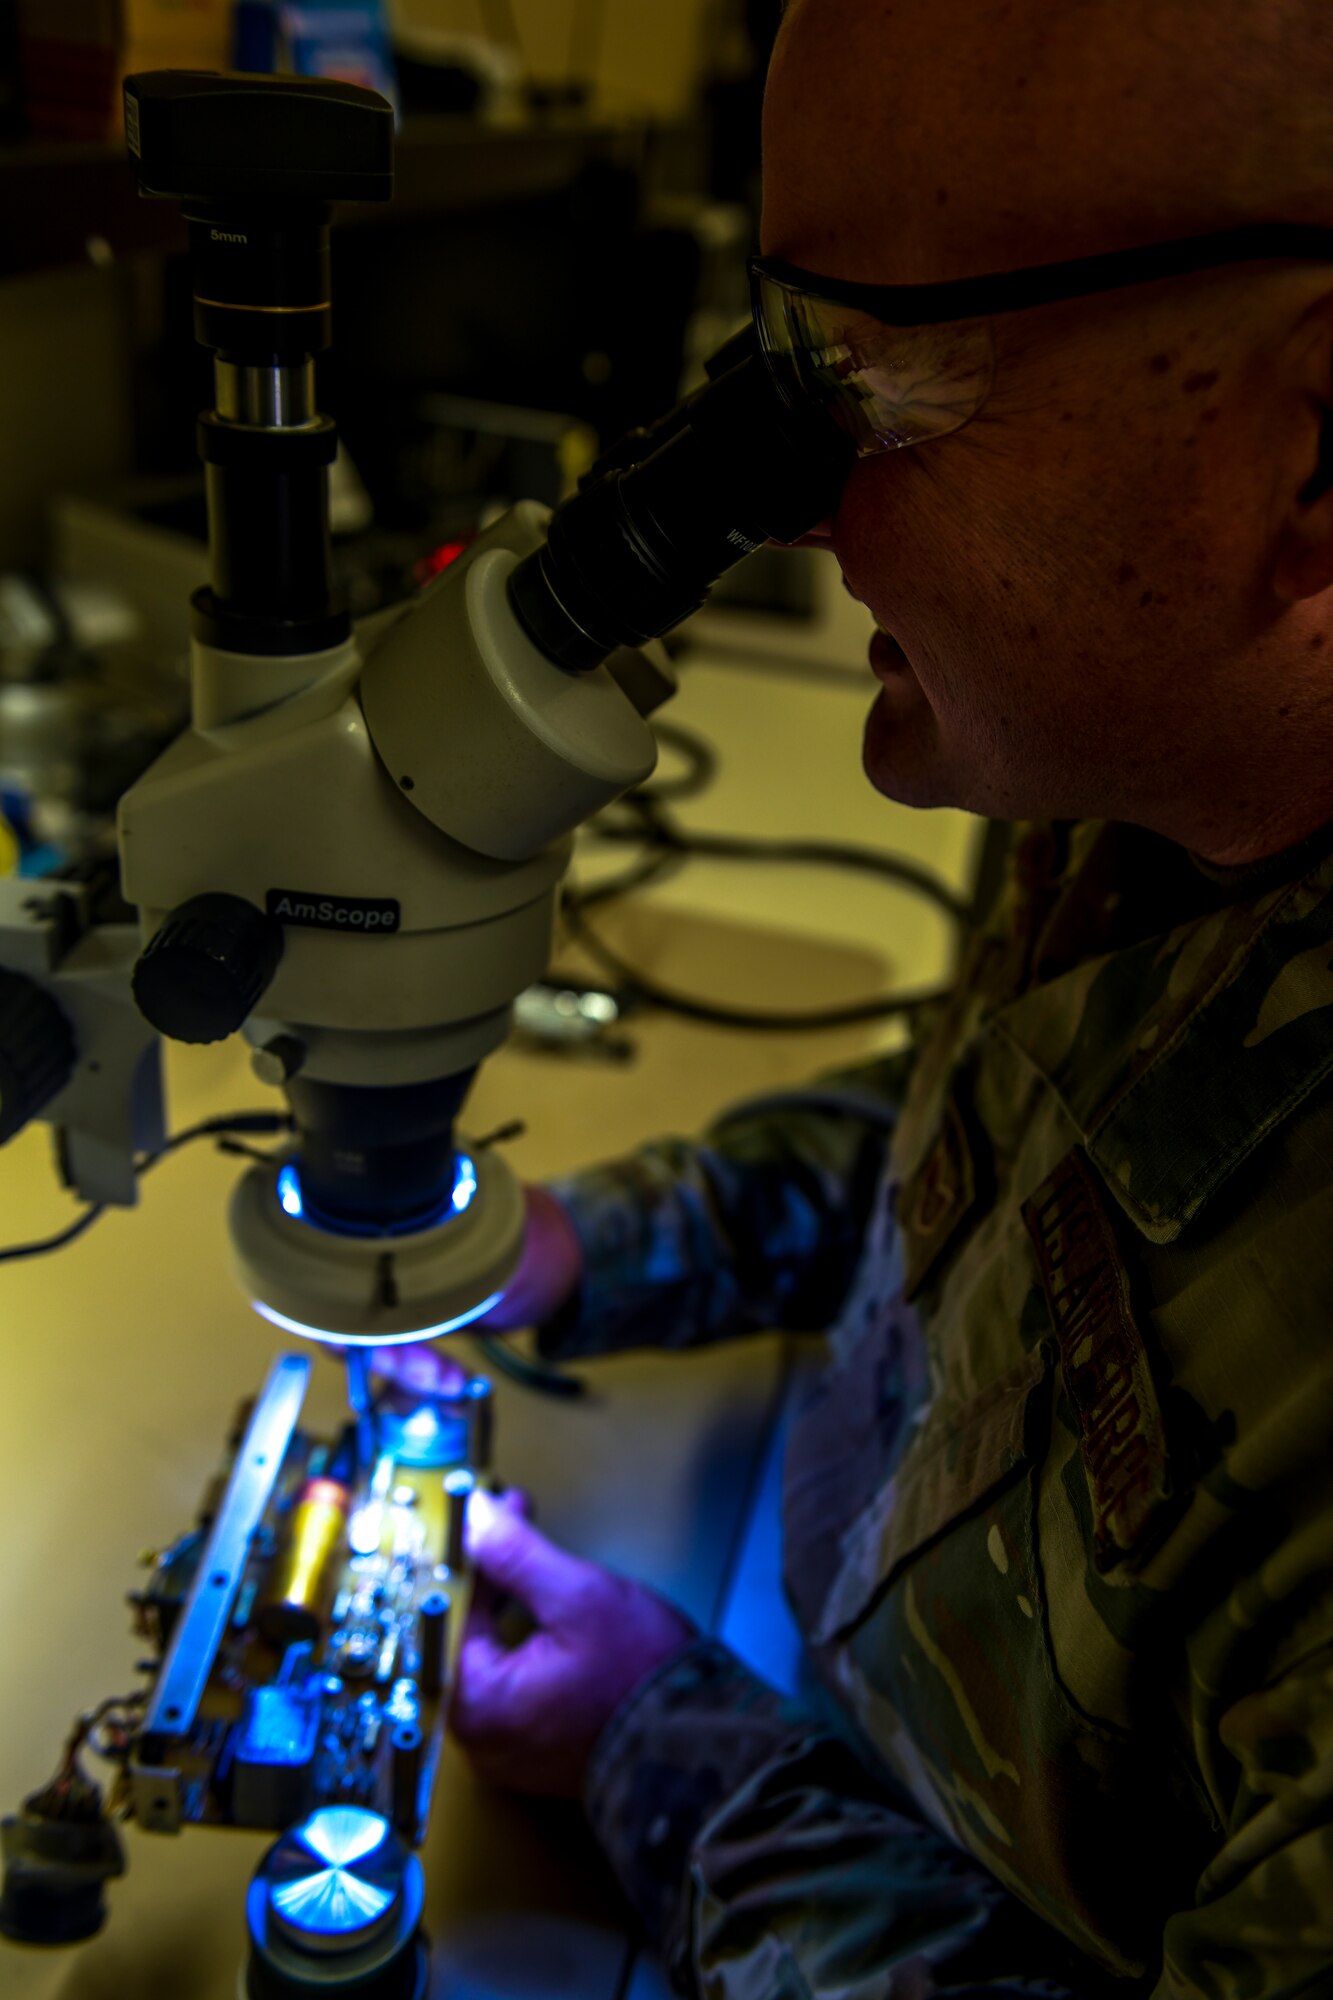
x: 302, y: 1633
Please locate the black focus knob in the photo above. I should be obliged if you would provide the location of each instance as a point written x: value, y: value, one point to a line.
x: 205, y: 970
x: 37, y: 1051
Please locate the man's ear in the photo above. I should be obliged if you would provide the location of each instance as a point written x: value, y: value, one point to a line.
x: 1304, y: 566
x: 1321, y: 479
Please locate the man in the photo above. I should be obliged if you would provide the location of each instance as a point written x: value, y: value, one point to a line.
x: 1060, y: 1518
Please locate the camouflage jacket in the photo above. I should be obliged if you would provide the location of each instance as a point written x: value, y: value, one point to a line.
x: 1059, y: 1517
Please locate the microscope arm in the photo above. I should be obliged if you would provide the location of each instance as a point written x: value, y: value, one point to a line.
x: 74, y: 1048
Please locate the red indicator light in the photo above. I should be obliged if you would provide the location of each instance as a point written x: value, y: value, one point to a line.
x: 439, y: 559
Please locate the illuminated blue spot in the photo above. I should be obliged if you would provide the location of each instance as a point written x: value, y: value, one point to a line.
x: 402, y: 1705
x: 275, y: 1318
x: 342, y: 1835
x: 331, y: 1903
x: 422, y: 1426
x: 292, y: 1201
x: 289, y: 1192
x: 465, y: 1182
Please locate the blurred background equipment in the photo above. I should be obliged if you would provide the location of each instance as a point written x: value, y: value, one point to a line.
x: 77, y: 53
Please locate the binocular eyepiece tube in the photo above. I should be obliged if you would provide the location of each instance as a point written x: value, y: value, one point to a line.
x: 640, y: 545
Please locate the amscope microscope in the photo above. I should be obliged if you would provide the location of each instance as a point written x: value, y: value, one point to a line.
x: 351, y: 858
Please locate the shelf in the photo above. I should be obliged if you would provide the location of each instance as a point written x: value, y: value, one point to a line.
x: 70, y: 203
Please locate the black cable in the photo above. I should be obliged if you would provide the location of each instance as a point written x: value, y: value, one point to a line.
x: 58, y: 1242
x: 239, y: 1121
x: 639, y: 876
x: 537, y: 1375
x: 256, y: 1122
x: 700, y: 758
x: 776, y: 1021
x: 648, y: 824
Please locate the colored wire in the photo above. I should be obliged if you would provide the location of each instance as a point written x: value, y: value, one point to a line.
x: 240, y: 1121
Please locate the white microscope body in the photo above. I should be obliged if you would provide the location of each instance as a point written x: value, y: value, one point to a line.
x: 406, y: 818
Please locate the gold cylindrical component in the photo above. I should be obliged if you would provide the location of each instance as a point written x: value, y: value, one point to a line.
x: 295, y: 1599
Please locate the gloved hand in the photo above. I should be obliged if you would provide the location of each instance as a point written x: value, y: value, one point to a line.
x: 550, y: 1269
x: 529, y: 1714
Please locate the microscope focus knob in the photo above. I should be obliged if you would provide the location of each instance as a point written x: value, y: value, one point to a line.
x: 37, y: 1051
x: 335, y: 1908
x: 205, y: 970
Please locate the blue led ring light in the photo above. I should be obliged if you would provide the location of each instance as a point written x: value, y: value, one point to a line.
x: 292, y: 1200
x: 376, y: 1339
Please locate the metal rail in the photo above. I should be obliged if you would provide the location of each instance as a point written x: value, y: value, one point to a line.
x: 203, y: 1621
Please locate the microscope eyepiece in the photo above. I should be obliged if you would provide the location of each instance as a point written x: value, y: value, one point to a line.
x: 255, y: 162
x: 674, y: 507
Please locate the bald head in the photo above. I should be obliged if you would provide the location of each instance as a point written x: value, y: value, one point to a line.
x: 912, y: 140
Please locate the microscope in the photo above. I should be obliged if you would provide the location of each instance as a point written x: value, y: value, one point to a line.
x: 352, y: 858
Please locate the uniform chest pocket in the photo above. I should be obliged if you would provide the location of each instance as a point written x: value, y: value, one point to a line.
x: 963, y: 1452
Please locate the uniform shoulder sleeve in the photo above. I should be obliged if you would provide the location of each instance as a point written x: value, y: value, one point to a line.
x: 1262, y: 1923
x: 756, y: 1225
x: 765, y: 1858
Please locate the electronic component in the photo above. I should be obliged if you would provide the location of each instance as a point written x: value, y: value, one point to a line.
x: 434, y: 1616
x: 61, y: 1849
x: 433, y: 1433
x: 304, y: 1667
x: 479, y: 1400
x: 365, y: 1530
x: 299, y: 1584
x: 458, y: 1490
x: 407, y: 1747
x: 273, y: 1762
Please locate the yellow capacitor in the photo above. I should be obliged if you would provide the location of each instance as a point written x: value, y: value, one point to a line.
x: 296, y: 1597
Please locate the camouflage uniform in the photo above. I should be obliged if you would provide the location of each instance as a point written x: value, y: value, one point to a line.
x: 1059, y: 1517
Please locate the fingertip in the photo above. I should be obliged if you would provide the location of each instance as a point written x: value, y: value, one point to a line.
x: 483, y: 1510
x: 418, y: 1368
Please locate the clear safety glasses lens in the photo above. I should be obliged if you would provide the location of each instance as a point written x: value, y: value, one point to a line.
x: 887, y: 386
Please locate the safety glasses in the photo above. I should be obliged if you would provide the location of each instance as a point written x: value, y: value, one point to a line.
x: 898, y: 364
